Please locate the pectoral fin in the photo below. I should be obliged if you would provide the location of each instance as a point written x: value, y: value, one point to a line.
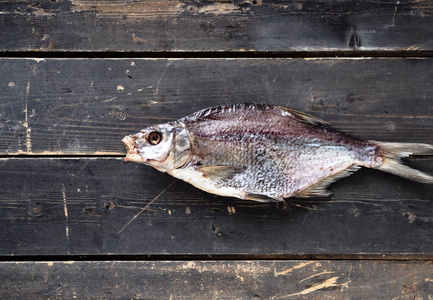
x: 219, y: 171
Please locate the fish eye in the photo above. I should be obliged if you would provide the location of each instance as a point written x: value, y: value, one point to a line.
x: 154, y: 137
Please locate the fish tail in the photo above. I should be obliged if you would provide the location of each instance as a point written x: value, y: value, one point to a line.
x: 393, y: 152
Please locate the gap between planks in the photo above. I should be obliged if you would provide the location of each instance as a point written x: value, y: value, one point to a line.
x: 302, y: 259
x: 179, y: 54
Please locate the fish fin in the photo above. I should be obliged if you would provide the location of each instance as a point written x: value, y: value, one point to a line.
x: 219, y: 171
x: 392, y: 152
x: 304, y: 116
x: 261, y: 198
x: 397, y: 150
x: 319, y: 189
x: 396, y: 167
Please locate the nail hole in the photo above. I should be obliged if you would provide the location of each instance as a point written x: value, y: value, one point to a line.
x: 216, y: 231
x: 109, y: 205
x: 192, y: 9
x: 256, y: 2
x: 35, y: 210
x: 409, y: 216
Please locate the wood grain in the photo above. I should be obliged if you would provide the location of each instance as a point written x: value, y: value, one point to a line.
x: 86, y: 106
x: 217, y: 280
x: 94, y: 207
x: 66, y: 194
x: 239, y: 25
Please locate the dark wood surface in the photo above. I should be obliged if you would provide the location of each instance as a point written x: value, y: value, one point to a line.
x: 81, y: 206
x: 86, y: 106
x: 76, y: 221
x: 302, y: 279
x: 240, y: 25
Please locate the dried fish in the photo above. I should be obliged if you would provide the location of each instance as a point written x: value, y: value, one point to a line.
x: 264, y: 152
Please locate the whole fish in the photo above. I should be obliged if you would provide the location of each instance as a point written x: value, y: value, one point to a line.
x: 264, y: 152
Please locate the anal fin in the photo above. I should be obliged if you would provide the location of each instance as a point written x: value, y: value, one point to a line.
x: 319, y: 189
x: 261, y: 198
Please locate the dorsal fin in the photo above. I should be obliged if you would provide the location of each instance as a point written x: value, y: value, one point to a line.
x: 217, y: 112
x: 304, y: 116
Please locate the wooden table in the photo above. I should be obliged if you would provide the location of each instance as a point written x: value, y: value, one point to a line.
x: 78, y: 75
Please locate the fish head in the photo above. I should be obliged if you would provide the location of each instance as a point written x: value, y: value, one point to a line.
x: 164, y: 147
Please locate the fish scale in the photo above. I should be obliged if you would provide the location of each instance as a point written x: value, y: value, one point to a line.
x: 279, y: 171
x: 264, y: 152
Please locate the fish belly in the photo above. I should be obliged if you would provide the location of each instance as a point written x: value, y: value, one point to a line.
x: 196, y: 178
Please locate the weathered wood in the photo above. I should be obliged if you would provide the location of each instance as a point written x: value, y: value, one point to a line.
x: 86, y: 106
x: 88, y: 206
x: 217, y: 280
x: 108, y: 209
x: 106, y: 25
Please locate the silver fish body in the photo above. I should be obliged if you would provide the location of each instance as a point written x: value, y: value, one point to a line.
x: 263, y: 152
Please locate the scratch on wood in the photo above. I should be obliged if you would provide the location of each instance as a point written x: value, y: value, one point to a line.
x: 83, y: 167
x: 152, y: 102
x: 220, y: 8
x: 413, y: 284
x: 39, y: 11
x: 412, y: 48
x: 65, y: 209
x: 161, y: 77
x: 301, y: 265
x: 318, y: 274
x: 108, y: 100
x: 146, y: 207
x: 150, y: 9
x: 331, y: 282
x: 26, y: 122
x: 77, y: 106
x: 395, y: 13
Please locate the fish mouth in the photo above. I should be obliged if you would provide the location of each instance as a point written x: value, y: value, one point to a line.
x: 132, y: 152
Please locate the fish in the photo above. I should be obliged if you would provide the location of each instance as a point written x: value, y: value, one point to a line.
x: 265, y: 153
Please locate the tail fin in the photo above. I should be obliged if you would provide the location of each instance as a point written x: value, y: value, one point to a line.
x: 392, y: 152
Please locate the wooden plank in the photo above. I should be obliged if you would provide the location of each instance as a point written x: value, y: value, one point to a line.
x: 86, y: 106
x: 250, y: 25
x: 217, y: 280
x: 89, y: 207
